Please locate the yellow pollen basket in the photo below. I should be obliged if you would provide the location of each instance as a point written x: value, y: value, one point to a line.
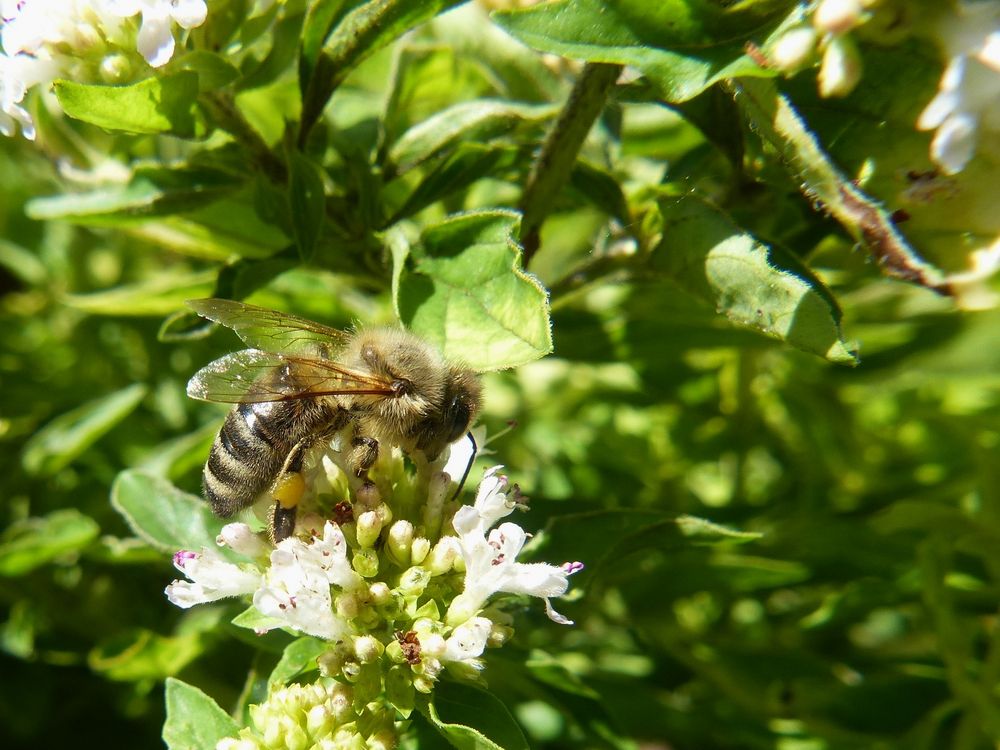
x: 288, y: 490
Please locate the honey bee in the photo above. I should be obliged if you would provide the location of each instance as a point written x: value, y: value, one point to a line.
x: 301, y: 382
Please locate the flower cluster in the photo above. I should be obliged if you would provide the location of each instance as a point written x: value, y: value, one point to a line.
x: 398, y: 578
x: 83, y: 40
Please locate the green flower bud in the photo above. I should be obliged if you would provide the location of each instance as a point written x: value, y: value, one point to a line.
x: 380, y: 593
x: 395, y: 652
x: 383, y: 740
x: 419, y: 550
x: 347, y: 605
x: 423, y: 684
x: 399, y: 542
x: 365, y: 562
x: 840, y: 70
x: 442, y: 557
x: 413, y: 581
x: 794, y: 49
x: 115, y: 68
x: 368, y: 648
x: 369, y: 528
x: 461, y: 609
x: 837, y: 16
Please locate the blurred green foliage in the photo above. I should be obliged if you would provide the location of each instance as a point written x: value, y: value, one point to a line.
x: 694, y: 290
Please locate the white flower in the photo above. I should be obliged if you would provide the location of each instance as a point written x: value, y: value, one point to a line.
x: 18, y: 73
x: 156, y: 39
x: 467, y: 642
x: 296, y: 588
x: 490, y: 561
x: 968, y: 98
x: 212, y: 578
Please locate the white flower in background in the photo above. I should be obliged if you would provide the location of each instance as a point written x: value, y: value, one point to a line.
x: 18, y: 73
x: 490, y: 556
x: 968, y: 98
x: 156, y: 37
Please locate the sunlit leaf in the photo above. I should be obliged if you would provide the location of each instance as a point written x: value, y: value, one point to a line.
x: 163, y: 515
x: 466, y: 293
x: 155, y: 105
x: 194, y: 721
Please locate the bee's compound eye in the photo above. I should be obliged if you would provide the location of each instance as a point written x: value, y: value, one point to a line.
x: 401, y: 387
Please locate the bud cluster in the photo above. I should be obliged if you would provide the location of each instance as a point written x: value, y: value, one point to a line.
x: 397, y: 576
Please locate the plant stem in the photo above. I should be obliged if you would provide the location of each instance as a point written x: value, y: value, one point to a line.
x: 552, y: 168
x: 227, y: 115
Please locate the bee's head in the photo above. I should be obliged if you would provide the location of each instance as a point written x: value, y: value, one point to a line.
x: 458, y: 409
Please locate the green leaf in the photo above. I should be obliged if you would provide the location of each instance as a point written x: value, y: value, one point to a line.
x: 150, y: 192
x: 22, y: 263
x: 776, y: 120
x: 31, y: 542
x: 360, y: 33
x: 475, y: 121
x: 307, y: 203
x: 467, y: 294
x: 399, y: 690
x: 468, y: 163
x: 285, y: 36
x: 155, y: 105
x: 194, y: 721
x: 682, y: 46
x: 253, y: 619
x: 163, y: 515
x: 160, y: 295
x: 712, y: 259
x: 472, y: 719
x: 62, y: 440
x: 214, y: 71
x: 299, y: 656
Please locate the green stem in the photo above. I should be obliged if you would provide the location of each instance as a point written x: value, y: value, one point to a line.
x: 551, y: 170
x: 222, y: 108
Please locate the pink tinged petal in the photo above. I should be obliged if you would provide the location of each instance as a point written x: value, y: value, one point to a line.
x: 955, y: 142
x: 156, y: 40
x: 183, y: 557
x: 569, y: 568
x: 189, y: 13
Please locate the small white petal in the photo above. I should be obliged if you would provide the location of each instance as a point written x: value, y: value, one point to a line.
x: 937, y: 110
x: 155, y: 41
x: 468, y: 641
x: 555, y: 616
x: 189, y: 13
x: 536, y: 579
x: 240, y: 538
x: 955, y: 142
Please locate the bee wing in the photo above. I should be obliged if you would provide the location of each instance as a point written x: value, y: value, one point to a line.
x: 253, y: 376
x: 269, y: 330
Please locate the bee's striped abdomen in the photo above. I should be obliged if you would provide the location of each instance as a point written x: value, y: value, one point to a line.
x: 246, y: 456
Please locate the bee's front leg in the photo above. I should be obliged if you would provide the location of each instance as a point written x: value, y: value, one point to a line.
x: 364, y: 454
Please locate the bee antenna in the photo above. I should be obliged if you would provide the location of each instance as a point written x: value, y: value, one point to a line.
x: 468, y: 466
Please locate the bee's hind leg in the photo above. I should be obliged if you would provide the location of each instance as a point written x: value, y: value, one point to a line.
x: 287, y: 490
